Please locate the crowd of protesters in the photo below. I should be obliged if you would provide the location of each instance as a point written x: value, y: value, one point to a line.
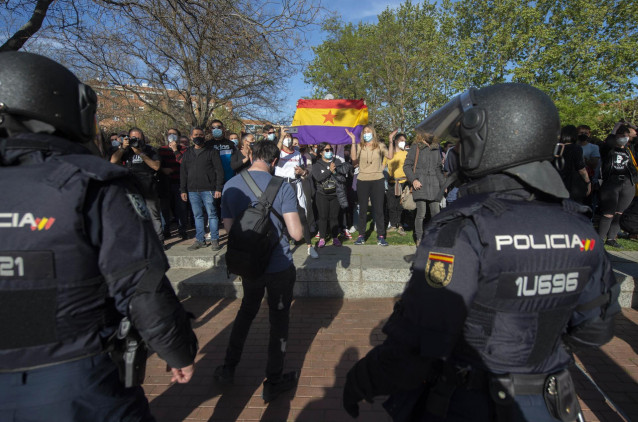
x: 335, y: 185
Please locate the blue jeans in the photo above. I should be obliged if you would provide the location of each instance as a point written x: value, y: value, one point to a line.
x: 198, y: 201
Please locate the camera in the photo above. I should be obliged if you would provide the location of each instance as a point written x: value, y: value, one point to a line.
x: 134, y: 142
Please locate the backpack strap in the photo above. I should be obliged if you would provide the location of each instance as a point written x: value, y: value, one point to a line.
x: 267, y: 197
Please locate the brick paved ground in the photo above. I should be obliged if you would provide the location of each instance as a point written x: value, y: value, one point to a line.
x: 326, y: 337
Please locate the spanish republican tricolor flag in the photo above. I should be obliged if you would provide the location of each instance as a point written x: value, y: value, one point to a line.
x: 327, y: 120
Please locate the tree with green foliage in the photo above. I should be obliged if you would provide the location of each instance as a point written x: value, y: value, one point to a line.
x: 581, y: 52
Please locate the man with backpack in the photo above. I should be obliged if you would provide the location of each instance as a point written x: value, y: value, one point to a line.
x: 279, y: 274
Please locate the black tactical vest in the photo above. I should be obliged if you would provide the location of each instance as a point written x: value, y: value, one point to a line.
x: 51, y: 291
x: 536, y: 260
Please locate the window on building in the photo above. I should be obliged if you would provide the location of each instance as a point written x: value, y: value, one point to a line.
x: 131, y: 96
x: 141, y: 108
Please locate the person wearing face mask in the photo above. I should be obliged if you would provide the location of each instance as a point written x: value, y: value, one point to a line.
x: 241, y: 157
x: 396, y: 183
x: 424, y: 171
x: 234, y: 138
x: 143, y: 162
x: 223, y: 146
x: 269, y: 133
x: 170, y: 195
x: 369, y: 156
x: 617, y: 191
x: 329, y: 175
x: 201, y: 182
x: 292, y: 168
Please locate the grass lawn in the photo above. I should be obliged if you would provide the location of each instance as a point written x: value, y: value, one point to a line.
x: 393, y: 238
x: 627, y: 245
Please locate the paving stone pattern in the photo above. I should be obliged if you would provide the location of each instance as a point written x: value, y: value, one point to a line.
x: 327, y: 336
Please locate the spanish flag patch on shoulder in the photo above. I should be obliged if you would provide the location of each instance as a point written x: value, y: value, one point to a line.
x: 438, y: 269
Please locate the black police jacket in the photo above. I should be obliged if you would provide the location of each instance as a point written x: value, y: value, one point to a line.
x: 76, y: 244
x: 500, y: 280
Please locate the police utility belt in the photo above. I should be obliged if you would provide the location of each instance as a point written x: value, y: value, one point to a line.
x: 557, y: 390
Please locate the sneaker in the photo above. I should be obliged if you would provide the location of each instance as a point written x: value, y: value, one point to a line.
x: 613, y: 243
x: 360, y: 240
x: 336, y: 242
x: 381, y: 241
x: 214, y: 244
x: 353, y: 229
x: 322, y: 243
x: 317, y: 236
x: 401, y: 231
x: 272, y: 389
x: 312, y: 252
x: 347, y: 234
x: 391, y: 229
x: 207, y: 236
x: 196, y: 245
x: 224, y: 374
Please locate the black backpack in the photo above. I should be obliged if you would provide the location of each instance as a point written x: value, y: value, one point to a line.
x: 252, y: 236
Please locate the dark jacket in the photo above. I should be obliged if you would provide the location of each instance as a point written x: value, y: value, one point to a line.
x: 429, y: 170
x: 321, y: 172
x: 201, y: 172
x: 237, y: 161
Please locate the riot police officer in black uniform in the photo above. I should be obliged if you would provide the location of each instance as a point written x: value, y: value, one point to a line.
x: 505, y: 284
x: 77, y: 253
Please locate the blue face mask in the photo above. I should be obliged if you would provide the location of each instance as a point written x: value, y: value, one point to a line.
x: 217, y: 133
x: 328, y: 155
x: 271, y: 136
x: 367, y: 137
x: 116, y: 144
x: 172, y: 138
x: 234, y: 141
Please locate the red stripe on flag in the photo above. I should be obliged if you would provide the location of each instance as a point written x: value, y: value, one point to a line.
x: 358, y: 104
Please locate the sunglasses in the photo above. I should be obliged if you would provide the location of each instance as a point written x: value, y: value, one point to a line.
x: 328, y: 149
x: 216, y: 127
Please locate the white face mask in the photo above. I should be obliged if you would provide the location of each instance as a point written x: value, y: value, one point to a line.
x: 401, y: 144
x: 622, y: 141
x: 287, y: 142
x: 367, y: 137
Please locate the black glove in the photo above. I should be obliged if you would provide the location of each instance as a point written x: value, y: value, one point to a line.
x: 358, y: 387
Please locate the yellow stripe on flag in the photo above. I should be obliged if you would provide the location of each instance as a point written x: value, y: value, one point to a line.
x: 346, y: 117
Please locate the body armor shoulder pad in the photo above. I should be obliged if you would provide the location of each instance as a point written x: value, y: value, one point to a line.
x: 93, y: 167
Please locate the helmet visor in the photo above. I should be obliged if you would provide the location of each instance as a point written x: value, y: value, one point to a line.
x: 444, y: 123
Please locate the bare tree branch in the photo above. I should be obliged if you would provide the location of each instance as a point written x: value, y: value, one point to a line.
x: 28, y: 29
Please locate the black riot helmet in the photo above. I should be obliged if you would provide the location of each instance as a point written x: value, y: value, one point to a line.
x: 42, y: 95
x: 510, y: 128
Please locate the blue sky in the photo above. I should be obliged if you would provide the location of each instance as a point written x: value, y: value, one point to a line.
x: 350, y: 11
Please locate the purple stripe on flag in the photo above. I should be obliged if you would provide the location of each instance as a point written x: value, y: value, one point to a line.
x: 313, y: 135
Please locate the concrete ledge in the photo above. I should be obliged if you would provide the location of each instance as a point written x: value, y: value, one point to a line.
x: 367, y: 271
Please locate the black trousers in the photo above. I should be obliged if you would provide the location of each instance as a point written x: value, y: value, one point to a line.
x: 615, y: 196
x: 328, y: 210
x: 394, y: 205
x: 279, y: 286
x: 87, y: 389
x: 374, y: 190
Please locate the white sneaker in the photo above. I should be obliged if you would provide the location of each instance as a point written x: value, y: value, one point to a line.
x: 207, y: 236
x: 313, y: 253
